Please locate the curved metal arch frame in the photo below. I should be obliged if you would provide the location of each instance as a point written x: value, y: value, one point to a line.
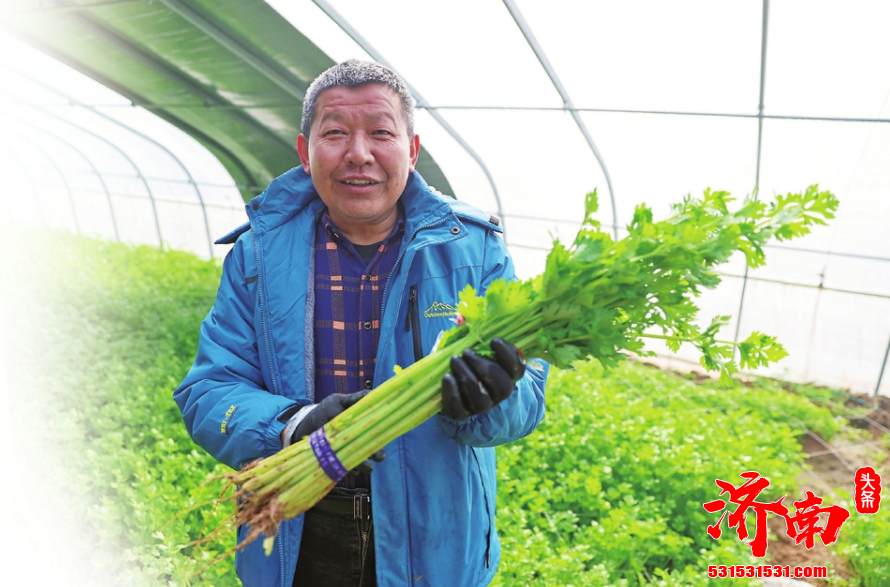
x: 566, y: 100
x: 145, y: 137
x: 763, y: 37
x: 58, y: 169
x: 340, y: 21
x: 123, y: 154
x: 92, y: 166
x: 191, y: 180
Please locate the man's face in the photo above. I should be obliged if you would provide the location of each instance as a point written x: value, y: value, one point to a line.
x: 359, y: 154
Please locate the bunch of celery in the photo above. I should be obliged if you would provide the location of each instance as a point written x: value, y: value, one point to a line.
x: 595, y: 298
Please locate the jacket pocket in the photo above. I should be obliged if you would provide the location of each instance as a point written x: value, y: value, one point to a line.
x: 412, y: 323
x: 487, y: 507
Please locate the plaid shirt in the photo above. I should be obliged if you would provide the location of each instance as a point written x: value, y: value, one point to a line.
x: 348, y: 303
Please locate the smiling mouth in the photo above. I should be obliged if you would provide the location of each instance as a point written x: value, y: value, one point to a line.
x: 359, y: 182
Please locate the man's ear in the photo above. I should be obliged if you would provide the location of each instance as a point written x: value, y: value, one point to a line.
x: 303, y: 151
x: 413, y: 151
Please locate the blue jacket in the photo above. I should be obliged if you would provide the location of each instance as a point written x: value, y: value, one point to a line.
x: 434, y: 495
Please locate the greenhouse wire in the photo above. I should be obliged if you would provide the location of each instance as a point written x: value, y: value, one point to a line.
x: 830, y: 449
x: 163, y: 105
x: 340, y: 21
x: 753, y: 278
x: 58, y: 169
x: 850, y: 413
x: 791, y: 284
x: 636, y: 111
x: 840, y: 407
x: 89, y: 162
x: 175, y: 201
x: 802, y: 425
x: 123, y: 154
x: 833, y: 450
x: 830, y: 253
x: 566, y: 100
x: 877, y: 425
x: 827, y: 258
x: 766, y: 246
x: 876, y: 444
x: 820, y: 485
x: 239, y: 204
x: 808, y: 286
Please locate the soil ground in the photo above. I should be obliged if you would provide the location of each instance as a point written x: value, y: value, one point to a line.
x: 832, y: 468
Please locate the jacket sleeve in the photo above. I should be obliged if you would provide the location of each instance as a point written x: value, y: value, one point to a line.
x: 518, y: 415
x: 225, y: 403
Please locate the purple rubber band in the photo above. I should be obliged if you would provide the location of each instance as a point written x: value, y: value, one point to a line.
x: 329, y: 462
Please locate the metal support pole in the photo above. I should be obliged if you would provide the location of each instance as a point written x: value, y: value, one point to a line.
x: 881, y: 374
x: 567, y: 101
x: 421, y: 102
x: 763, y: 37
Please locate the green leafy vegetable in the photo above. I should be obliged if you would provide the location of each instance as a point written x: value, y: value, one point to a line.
x: 600, y: 297
x: 596, y: 298
x: 609, y: 489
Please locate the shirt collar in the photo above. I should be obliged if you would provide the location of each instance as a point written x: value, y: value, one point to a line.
x: 335, y: 233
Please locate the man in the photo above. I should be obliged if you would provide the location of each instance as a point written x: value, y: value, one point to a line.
x: 352, y: 265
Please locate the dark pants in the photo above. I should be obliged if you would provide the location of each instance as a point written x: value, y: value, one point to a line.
x: 335, y: 551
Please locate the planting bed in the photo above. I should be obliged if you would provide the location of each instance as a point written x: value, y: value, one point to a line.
x: 608, y: 491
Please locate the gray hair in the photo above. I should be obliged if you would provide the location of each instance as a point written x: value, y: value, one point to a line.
x: 354, y: 73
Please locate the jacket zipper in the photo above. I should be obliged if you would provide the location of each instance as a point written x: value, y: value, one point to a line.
x: 260, y: 287
x: 487, y: 508
x: 395, y: 267
x: 280, y: 542
x: 386, y: 290
x: 412, y: 323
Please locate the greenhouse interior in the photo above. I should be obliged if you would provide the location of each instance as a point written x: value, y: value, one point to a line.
x: 134, y: 132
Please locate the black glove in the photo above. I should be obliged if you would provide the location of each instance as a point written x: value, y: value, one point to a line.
x: 325, y: 411
x: 477, y: 384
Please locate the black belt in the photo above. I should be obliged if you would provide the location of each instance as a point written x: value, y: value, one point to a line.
x: 342, y: 502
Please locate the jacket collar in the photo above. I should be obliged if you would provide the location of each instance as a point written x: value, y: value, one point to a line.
x: 292, y: 192
x: 287, y: 195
